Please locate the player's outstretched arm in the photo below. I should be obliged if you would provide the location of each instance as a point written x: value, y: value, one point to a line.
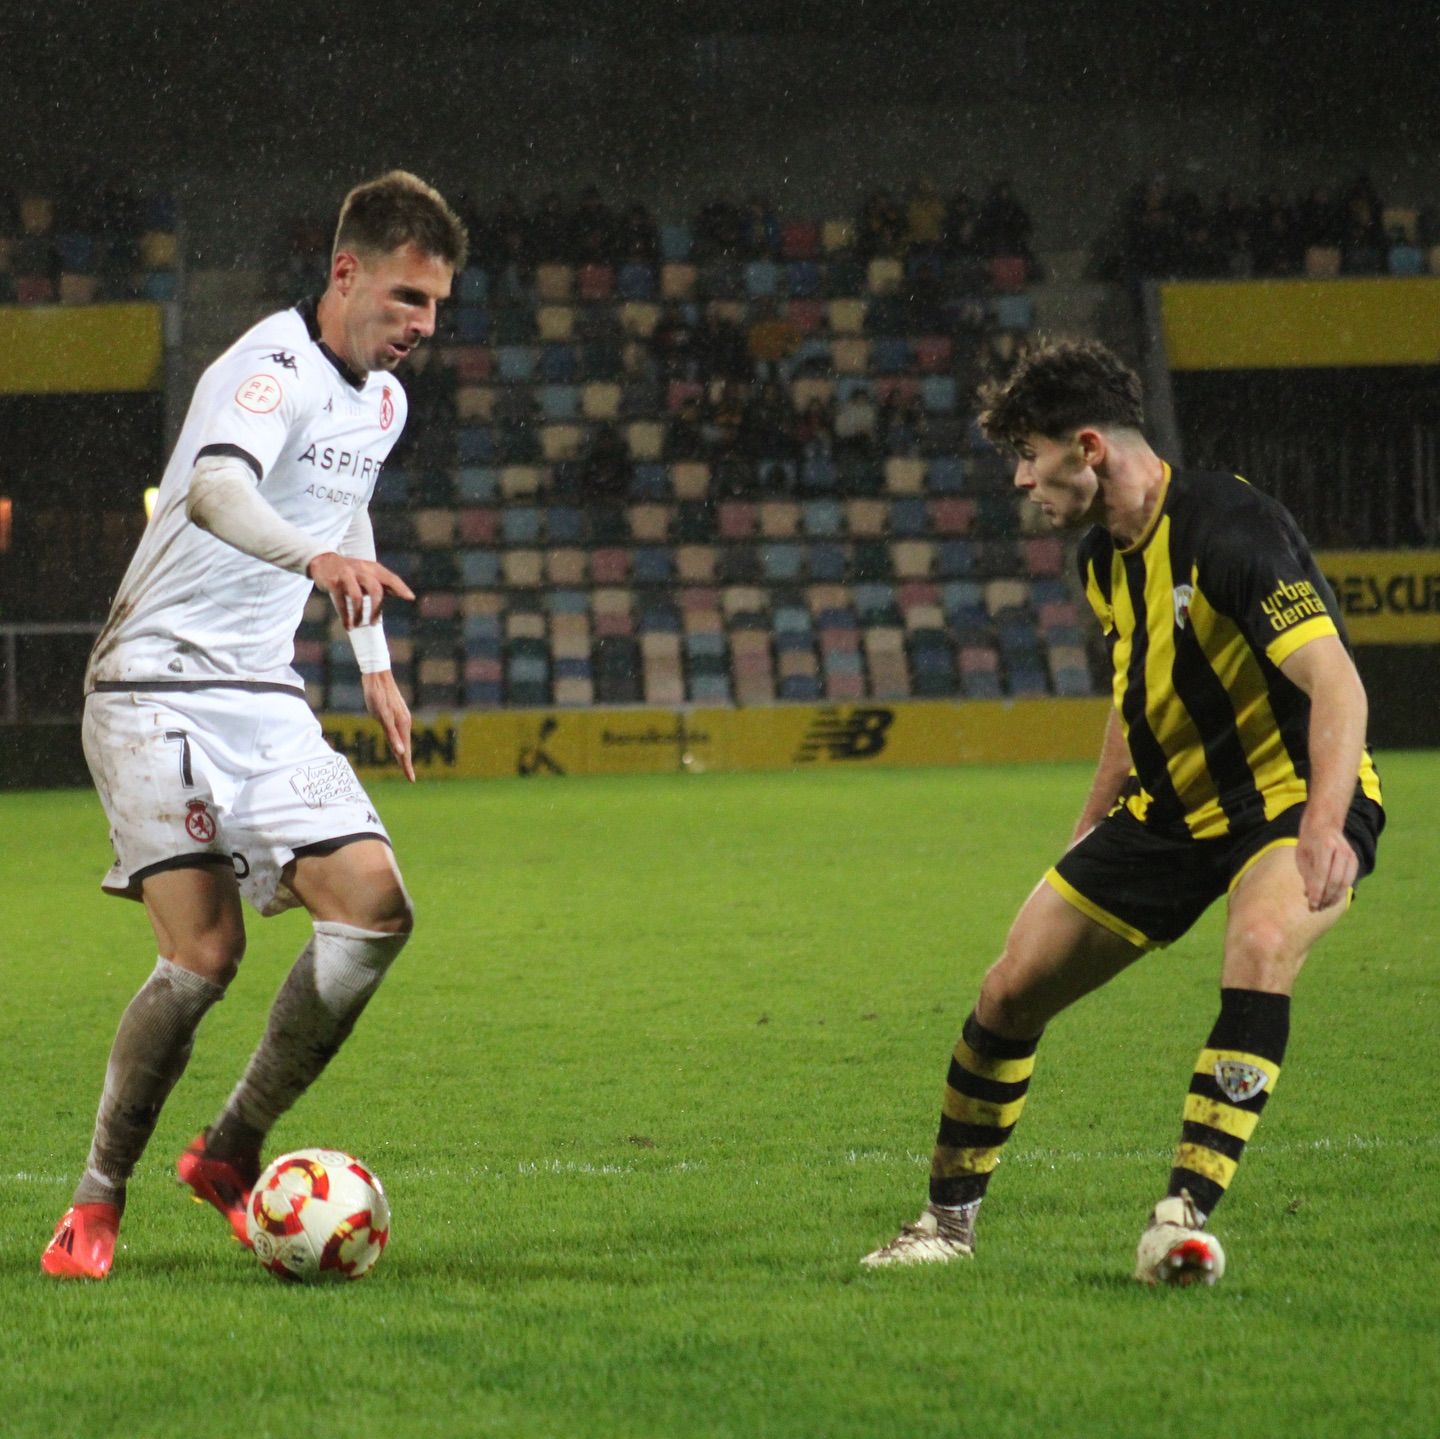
x: 384, y: 700
x: 1110, y: 776
x: 1338, y: 712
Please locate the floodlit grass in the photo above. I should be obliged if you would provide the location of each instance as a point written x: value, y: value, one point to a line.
x: 662, y: 1062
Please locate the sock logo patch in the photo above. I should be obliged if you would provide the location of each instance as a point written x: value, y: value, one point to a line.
x: 1240, y: 1081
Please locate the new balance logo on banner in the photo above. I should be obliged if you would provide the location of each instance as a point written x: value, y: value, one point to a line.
x: 845, y: 734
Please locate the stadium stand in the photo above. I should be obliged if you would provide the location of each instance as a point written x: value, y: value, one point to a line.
x: 114, y: 246
x: 736, y: 467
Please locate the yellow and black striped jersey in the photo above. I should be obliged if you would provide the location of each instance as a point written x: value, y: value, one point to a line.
x: 1198, y: 615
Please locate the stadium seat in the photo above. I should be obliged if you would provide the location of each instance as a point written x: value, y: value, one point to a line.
x: 1008, y: 272
x: 1402, y: 260
x: 559, y: 364
x: 675, y: 242
x: 595, y: 282
x: 554, y: 284
x: 909, y: 517
x: 635, y: 281
x: 677, y: 281
x: 846, y: 316
x: 799, y: 240
x: 762, y: 279
x: 884, y: 276
x: 1322, y: 262
x: 559, y: 402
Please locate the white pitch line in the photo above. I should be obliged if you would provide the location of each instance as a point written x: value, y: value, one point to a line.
x: 528, y: 1168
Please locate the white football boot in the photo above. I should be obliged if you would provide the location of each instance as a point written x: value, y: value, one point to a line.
x: 938, y: 1235
x: 1175, y: 1249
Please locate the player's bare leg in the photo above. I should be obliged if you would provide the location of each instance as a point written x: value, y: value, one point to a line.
x: 1269, y: 932
x: 1053, y: 956
x: 195, y: 913
x: 362, y: 920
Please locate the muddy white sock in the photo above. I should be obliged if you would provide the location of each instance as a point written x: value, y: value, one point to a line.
x: 151, y: 1048
x: 324, y: 994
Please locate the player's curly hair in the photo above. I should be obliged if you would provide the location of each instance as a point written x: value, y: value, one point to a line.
x: 399, y: 208
x: 1056, y: 388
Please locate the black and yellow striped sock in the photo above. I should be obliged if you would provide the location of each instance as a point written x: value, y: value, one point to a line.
x: 1233, y: 1079
x: 984, y: 1094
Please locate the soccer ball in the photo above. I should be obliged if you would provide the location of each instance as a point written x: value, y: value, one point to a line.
x: 318, y: 1216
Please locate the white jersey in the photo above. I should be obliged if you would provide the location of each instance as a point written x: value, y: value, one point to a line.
x: 192, y: 610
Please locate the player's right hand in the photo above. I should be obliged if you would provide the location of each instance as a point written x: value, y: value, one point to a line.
x: 357, y: 588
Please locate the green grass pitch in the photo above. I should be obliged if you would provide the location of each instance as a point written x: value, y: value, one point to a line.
x: 663, y: 1060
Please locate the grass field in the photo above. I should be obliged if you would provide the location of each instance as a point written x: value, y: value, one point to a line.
x: 662, y: 1062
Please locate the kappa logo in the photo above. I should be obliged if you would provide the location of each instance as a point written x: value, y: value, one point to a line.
x: 199, y: 822
x: 285, y: 360
x: 387, y: 409
x: 1183, y: 595
x: 1240, y: 1081
x: 845, y: 735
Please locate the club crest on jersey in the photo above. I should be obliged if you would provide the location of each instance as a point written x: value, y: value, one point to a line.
x: 260, y: 394
x: 199, y: 823
x: 387, y: 409
x: 1239, y: 1080
x: 1183, y: 595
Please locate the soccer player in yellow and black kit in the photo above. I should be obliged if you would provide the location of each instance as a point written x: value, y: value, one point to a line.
x: 1234, y: 764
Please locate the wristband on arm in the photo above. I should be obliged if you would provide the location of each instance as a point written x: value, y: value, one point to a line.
x: 372, y: 654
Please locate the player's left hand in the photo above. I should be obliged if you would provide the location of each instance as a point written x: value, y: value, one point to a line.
x: 1327, y: 864
x: 384, y: 700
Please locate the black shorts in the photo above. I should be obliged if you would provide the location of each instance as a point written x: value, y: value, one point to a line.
x: 1149, y: 886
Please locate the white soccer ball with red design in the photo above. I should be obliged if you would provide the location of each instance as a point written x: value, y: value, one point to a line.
x: 318, y: 1216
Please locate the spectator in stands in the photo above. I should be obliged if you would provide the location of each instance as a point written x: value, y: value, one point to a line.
x: 1363, y: 243
x: 961, y: 219
x: 604, y: 466
x: 674, y: 344
x: 724, y: 422
x: 856, y: 424
x: 552, y: 233
x: 759, y: 230
x: 766, y: 427
x: 1004, y: 226
x: 925, y: 217
x: 685, y: 434
x: 771, y: 339
x: 815, y: 428
x: 637, y: 236
x: 721, y: 348
x: 1151, y: 232
x: 901, y: 423
x: 717, y: 231
x: 881, y: 229
x: 429, y: 437
x: 510, y: 239
x: 1232, y: 222
x: 595, y: 241
x: 1277, y: 242
x: 1320, y: 220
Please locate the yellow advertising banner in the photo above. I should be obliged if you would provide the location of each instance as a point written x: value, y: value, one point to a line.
x: 499, y: 743
x: 1387, y: 597
x: 1296, y: 324
x: 81, y: 349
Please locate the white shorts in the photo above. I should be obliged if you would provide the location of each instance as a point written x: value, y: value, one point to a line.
x: 219, y: 776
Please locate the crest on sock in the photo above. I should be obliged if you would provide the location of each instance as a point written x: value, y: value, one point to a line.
x: 1239, y: 1080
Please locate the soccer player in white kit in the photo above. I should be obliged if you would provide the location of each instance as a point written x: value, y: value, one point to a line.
x: 213, y: 771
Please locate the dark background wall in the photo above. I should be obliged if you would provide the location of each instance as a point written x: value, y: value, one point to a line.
x: 253, y: 111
